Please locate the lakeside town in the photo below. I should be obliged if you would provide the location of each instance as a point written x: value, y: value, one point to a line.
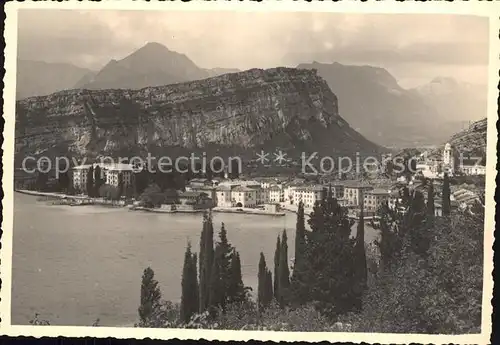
x: 125, y: 185
x: 397, y: 205
x: 172, y: 177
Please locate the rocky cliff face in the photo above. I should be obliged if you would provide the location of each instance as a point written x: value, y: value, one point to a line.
x: 472, y: 139
x: 279, y: 108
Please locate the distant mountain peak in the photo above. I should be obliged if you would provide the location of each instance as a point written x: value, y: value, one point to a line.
x: 444, y: 81
x: 151, y: 65
x: 154, y: 45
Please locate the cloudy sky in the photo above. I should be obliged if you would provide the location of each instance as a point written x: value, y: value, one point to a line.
x: 413, y: 47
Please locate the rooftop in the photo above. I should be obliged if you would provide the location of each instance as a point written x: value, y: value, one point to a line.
x: 203, y: 188
x: 201, y: 180
x: 224, y: 187
x: 379, y: 191
x: 191, y: 194
x: 106, y: 166
x: 310, y: 188
x: 243, y: 189
x: 359, y: 186
x: 466, y: 162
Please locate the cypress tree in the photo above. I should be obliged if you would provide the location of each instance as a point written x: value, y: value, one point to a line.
x: 97, y: 180
x: 206, y: 260
x: 90, y: 182
x: 150, y: 306
x: 268, y: 289
x: 390, y: 242
x: 415, y: 226
x: 203, y: 299
x: 236, y: 289
x: 262, y: 281
x: 276, y: 268
x: 189, y: 297
x: 196, y: 287
x: 360, y: 257
x: 120, y: 186
x: 300, y: 233
x: 225, y: 254
x: 284, y: 272
x: 430, y: 199
x: 215, y: 284
x: 329, y: 267
x: 405, y: 196
x: 446, y: 195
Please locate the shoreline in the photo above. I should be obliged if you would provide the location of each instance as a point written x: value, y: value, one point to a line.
x: 215, y: 210
x: 73, y: 200
x: 97, y: 202
x: 248, y: 211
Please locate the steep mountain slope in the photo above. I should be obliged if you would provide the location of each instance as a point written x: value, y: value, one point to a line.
x: 238, y: 113
x: 453, y: 100
x: 472, y: 139
x: 37, y: 78
x: 373, y: 102
x: 151, y: 65
x: 214, y: 72
x: 467, y: 142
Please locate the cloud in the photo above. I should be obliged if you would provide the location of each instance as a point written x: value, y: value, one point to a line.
x: 258, y: 39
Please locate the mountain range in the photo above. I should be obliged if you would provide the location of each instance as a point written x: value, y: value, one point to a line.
x: 38, y: 78
x: 370, y: 98
x: 231, y: 115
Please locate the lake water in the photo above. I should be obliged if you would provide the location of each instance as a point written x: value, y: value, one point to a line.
x: 73, y: 265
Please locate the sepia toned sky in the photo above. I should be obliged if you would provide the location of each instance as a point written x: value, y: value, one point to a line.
x: 414, y: 47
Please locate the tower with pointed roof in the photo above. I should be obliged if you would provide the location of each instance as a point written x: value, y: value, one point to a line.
x: 448, y: 159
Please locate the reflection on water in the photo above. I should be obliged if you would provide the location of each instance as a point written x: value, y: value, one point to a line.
x: 75, y: 264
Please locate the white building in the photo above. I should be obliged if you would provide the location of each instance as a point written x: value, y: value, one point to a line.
x: 308, y: 195
x: 275, y: 194
x: 472, y: 167
x: 374, y: 198
x: 223, y: 196
x: 109, y: 173
x: 113, y: 172
x: 288, y: 194
x: 243, y: 196
x: 474, y: 170
x: 353, y: 193
x: 448, y: 160
x: 337, y: 190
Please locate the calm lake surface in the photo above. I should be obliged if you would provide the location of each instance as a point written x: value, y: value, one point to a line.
x: 73, y: 265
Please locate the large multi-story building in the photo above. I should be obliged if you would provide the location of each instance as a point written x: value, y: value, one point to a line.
x: 113, y: 172
x: 223, y: 196
x: 308, y: 195
x: 374, y: 198
x: 472, y: 167
x: 353, y: 192
x: 244, y: 196
x: 110, y: 173
x: 275, y: 194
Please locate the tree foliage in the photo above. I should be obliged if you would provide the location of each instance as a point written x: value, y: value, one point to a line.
x: 206, y: 260
x: 150, y: 308
x: 328, y: 273
x: 277, y: 252
x: 283, y: 271
x: 265, y: 287
x: 190, y: 294
x: 152, y: 196
x: 446, y: 196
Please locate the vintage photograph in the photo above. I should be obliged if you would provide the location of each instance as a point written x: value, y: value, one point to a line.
x: 251, y: 171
